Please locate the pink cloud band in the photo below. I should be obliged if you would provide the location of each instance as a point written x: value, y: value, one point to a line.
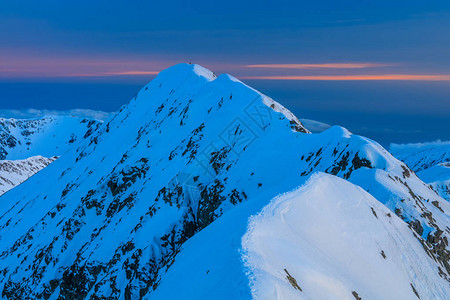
x: 356, y: 77
x: 321, y: 66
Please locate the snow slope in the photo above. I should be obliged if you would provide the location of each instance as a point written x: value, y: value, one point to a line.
x: 14, y: 172
x: 111, y: 215
x: 331, y: 240
x: 47, y: 136
x: 329, y: 235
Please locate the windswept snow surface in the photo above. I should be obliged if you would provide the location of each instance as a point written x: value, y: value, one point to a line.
x: 315, y: 126
x: 14, y: 172
x: 335, y: 239
x: 331, y: 236
x: 47, y: 136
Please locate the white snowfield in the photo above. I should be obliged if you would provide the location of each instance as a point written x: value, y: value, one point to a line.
x: 332, y: 240
x: 327, y: 239
x: 14, y: 172
x: 154, y: 204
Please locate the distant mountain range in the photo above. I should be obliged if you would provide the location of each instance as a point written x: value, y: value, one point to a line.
x: 28, y: 145
x: 46, y: 136
x: 203, y: 188
x: 431, y: 161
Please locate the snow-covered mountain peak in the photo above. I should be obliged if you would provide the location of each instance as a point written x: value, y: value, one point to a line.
x: 177, y: 72
x: 190, y: 83
x: 182, y: 74
x: 115, y: 211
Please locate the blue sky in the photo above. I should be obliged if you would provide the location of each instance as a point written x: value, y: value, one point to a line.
x: 381, y: 69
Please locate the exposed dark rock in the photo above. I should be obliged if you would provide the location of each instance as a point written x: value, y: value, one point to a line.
x: 211, y: 198
x: 414, y: 290
x: 374, y: 213
x: 355, y: 294
x: 292, y: 281
x: 218, y: 158
x: 436, y: 203
x: 417, y: 226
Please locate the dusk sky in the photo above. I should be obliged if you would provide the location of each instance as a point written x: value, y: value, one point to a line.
x: 379, y: 68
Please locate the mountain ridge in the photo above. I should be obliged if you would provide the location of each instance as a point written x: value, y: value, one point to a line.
x: 189, y: 148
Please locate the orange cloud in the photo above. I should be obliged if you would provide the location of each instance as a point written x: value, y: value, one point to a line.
x: 118, y: 73
x: 320, y: 66
x: 357, y: 77
x: 132, y: 73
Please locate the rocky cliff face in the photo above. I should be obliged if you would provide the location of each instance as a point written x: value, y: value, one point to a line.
x: 109, y: 217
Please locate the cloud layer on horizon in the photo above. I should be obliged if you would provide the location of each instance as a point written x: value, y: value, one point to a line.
x: 32, y: 113
x: 349, y: 65
x: 116, y: 68
x: 404, y: 77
